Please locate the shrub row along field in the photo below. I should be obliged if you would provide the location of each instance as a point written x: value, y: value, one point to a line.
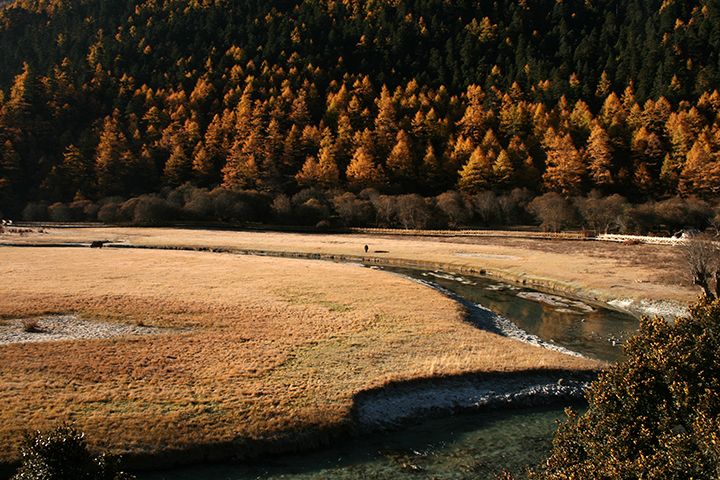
x: 368, y: 208
x: 256, y: 347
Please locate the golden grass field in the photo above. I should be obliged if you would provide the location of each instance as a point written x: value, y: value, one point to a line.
x: 591, y: 270
x: 264, y: 345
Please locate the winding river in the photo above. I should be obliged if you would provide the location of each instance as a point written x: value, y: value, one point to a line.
x: 594, y: 331
x: 465, y: 446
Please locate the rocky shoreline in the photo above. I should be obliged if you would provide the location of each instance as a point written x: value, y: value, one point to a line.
x: 486, y: 319
x: 399, y: 403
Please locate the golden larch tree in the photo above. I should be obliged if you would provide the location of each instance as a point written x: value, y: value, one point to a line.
x: 477, y: 174
x: 363, y: 172
x: 400, y: 162
x: 600, y: 157
x: 565, y: 169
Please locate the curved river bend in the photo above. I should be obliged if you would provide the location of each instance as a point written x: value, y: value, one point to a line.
x: 467, y: 446
x: 591, y: 330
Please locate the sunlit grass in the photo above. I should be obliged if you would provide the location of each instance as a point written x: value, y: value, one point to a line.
x: 267, y: 345
x: 599, y: 270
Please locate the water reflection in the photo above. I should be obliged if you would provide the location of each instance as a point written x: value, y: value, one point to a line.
x: 592, y: 331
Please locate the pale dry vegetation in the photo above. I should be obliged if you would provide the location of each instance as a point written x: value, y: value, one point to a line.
x: 272, y: 345
x: 592, y: 270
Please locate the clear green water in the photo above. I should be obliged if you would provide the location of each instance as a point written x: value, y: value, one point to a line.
x: 468, y: 446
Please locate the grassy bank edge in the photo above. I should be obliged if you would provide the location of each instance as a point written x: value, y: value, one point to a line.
x: 289, y: 442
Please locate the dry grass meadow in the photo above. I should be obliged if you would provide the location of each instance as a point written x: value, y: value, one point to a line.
x: 255, y: 346
x: 592, y: 270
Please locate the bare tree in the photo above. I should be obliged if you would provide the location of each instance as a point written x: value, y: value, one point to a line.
x: 455, y: 208
x: 702, y: 254
x: 413, y: 211
x: 603, y: 214
x: 553, y: 210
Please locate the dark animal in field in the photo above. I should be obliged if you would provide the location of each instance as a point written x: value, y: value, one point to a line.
x: 366, y: 248
x: 97, y: 244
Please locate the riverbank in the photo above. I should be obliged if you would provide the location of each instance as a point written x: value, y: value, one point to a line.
x: 390, y: 407
x: 464, y: 446
x: 639, y: 279
x: 396, y: 403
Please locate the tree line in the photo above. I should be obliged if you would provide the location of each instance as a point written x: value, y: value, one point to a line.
x: 338, y: 209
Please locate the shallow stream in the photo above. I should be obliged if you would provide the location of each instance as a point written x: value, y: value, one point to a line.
x: 588, y: 329
x: 476, y: 445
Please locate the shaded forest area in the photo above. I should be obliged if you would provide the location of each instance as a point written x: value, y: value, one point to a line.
x: 317, y: 111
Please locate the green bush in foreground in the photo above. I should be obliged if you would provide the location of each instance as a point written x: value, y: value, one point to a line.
x: 654, y: 416
x: 62, y: 454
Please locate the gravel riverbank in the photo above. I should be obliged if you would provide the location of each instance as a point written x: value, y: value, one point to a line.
x: 395, y: 404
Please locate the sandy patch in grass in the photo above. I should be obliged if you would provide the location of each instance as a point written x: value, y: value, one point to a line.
x: 270, y: 346
x: 54, y: 328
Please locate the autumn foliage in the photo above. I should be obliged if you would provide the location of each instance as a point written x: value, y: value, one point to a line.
x: 407, y: 98
x: 655, y: 415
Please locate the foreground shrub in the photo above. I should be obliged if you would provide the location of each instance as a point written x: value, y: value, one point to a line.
x: 655, y: 415
x: 62, y: 454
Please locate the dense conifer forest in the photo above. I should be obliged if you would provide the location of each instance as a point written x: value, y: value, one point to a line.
x: 379, y: 112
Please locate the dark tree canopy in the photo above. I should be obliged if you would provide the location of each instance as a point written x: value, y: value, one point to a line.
x: 124, y: 98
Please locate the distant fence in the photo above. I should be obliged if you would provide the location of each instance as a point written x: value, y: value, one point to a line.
x: 474, y: 233
x: 524, y: 234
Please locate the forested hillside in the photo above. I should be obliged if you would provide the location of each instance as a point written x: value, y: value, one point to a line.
x: 111, y: 100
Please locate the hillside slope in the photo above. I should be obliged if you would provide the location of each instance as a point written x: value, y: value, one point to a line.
x: 122, y: 98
